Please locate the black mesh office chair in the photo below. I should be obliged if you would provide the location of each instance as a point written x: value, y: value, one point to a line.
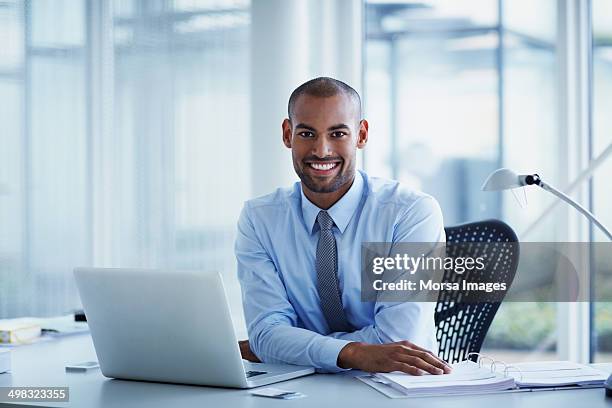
x: 462, y: 326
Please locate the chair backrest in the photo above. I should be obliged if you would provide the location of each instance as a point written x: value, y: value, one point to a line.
x: 462, y: 326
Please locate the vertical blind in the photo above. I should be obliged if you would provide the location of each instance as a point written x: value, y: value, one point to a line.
x: 124, y: 141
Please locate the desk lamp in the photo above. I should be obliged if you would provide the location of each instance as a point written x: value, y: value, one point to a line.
x: 505, y: 179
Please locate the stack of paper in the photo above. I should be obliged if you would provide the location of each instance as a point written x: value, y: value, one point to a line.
x: 466, y: 378
x: 470, y: 378
x: 555, y: 374
x: 27, y: 330
x: 19, y: 331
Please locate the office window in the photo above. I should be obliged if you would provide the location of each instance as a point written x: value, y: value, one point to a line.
x: 601, y: 191
x: 127, y: 146
x: 525, y: 330
x: 11, y: 100
x: 454, y: 90
x: 432, y: 98
x: 43, y: 206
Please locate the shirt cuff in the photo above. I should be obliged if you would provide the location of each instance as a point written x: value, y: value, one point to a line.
x: 328, y: 354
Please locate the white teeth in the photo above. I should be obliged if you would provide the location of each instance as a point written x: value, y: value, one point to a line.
x: 318, y: 166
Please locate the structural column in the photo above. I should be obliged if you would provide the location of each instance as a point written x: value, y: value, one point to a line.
x: 288, y: 48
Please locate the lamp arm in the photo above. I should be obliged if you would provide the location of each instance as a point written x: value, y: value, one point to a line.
x: 584, y: 175
x: 574, y: 204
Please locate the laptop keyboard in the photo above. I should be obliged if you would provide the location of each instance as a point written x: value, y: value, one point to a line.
x: 250, y: 374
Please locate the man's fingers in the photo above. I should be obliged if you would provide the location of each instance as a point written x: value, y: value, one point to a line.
x: 443, y: 364
x: 419, y: 363
x: 433, y: 360
x: 407, y: 368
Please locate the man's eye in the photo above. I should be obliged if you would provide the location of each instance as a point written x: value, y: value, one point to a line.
x: 338, y: 134
x: 306, y: 134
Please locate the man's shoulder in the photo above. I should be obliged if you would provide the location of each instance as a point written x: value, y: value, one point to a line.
x: 416, y: 216
x: 384, y: 191
x: 279, y: 198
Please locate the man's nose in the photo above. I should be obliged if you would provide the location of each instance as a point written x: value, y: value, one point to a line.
x: 321, y: 147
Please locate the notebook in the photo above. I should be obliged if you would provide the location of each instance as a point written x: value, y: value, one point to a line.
x: 486, y: 376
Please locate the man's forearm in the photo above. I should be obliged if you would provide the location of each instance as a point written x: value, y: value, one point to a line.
x: 368, y: 334
x: 280, y: 343
x: 399, y: 356
x: 413, y: 321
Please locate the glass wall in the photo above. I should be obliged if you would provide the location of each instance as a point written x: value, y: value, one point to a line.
x: 455, y: 90
x: 432, y: 100
x: 525, y: 330
x: 601, y: 190
x: 43, y: 200
x: 113, y: 141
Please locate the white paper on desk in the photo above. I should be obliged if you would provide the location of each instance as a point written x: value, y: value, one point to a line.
x: 556, y: 374
x: 40, y: 339
x: 393, y: 392
x: 540, y: 366
x: 460, y: 374
x: 466, y: 377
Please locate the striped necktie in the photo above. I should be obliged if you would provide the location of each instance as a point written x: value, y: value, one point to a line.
x: 327, y: 276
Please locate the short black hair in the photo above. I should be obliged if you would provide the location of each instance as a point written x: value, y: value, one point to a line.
x: 323, y: 87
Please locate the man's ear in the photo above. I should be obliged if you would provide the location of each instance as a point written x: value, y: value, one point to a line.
x: 362, y: 139
x: 287, y: 134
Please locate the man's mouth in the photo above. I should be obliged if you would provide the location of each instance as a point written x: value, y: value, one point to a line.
x: 323, y: 168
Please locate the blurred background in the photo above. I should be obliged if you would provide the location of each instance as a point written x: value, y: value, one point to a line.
x: 132, y: 131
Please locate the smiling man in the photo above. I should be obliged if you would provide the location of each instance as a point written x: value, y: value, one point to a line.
x: 299, y: 250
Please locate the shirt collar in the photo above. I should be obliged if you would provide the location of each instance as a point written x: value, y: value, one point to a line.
x: 341, y: 212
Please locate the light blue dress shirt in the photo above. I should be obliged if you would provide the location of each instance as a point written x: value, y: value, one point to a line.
x: 275, y: 249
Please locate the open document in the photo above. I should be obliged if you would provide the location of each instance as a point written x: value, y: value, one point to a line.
x: 473, y: 378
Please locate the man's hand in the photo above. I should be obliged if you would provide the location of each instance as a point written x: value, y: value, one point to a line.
x: 384, y: 358
x: 247, y: 354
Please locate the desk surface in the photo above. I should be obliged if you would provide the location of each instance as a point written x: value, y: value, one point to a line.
x: 42, y: 364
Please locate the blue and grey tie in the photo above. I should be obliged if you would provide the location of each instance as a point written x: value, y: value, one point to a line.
x: 327, y: 276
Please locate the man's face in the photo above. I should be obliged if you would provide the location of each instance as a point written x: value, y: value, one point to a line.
x: 324, y: 134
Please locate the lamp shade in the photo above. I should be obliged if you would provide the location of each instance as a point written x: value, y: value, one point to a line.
x: 503, y: 179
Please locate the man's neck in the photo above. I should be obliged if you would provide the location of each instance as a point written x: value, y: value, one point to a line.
x: 326, y: 200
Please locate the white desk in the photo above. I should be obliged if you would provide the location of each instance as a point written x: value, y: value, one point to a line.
x: 42, y: 364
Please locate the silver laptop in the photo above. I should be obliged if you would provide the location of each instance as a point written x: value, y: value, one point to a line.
x: 168, y: 326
